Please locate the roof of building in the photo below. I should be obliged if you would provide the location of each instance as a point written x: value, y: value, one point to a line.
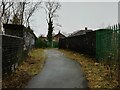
x: 13, y: 26
x: 80, y: 32
x: 59, y: 35
x: 18, y: 27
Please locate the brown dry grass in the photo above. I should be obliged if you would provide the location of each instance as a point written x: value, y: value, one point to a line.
x: 98, y: 75
x: 29, y: 68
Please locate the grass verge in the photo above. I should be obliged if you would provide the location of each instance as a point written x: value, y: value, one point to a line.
x: 97, y: 74
x: 29, y: 68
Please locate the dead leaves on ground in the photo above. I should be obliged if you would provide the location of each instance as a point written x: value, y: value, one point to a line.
x: 16, y: 80
x: 98, y: 75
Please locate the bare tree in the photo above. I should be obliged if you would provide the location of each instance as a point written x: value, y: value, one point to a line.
x: 19, y: 12
x: 51, y: 8
x: 24, y: 10
x: 4, y: 6
x: 30, y: 11
x: 4, y: 12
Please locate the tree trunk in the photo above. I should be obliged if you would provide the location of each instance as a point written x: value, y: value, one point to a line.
x: 50, y: 30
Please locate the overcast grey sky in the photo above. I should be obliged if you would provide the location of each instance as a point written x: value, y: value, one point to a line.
x: 74, y: 16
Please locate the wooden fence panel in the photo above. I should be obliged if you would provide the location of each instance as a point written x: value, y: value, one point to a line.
x: 12, y: 51
x: 103, y: 44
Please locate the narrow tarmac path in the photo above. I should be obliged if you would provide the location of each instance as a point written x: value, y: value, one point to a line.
x: 59, y: 72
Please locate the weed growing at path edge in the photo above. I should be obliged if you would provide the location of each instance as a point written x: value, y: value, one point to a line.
x: 97, y: 74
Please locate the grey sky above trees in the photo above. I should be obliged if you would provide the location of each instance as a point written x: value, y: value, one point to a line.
x: 74, y: 16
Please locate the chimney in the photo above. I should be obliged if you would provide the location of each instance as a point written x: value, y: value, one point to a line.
x: 59, y: 32
x: 85, y: 28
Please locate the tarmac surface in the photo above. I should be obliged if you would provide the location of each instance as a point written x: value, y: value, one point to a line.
x: 59, y: 72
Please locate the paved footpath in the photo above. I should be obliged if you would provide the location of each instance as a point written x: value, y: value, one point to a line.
x: 59, y: 72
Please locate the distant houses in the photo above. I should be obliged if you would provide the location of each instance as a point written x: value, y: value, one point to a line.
x: 43, y: 38
x: 58, y: 36
x: 80, y: 32
x: 55, y: 40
